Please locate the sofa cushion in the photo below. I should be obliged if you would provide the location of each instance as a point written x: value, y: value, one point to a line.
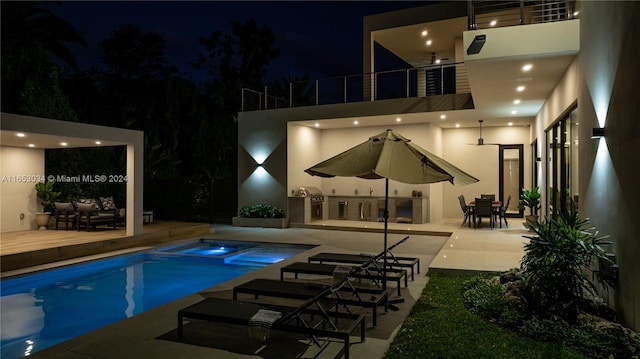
x: 64, y: 206
x: 86, y: 207
x: 90, y: 201
x: 108, y: 203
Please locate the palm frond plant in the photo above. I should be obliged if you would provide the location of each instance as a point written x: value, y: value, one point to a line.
x: 557, y: 261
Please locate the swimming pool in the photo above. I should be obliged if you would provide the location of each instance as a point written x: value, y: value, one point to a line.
x: 46, y: 308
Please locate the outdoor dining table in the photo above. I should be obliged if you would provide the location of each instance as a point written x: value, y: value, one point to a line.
x: 472, y: 206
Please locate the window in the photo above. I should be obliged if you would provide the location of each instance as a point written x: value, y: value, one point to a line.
x: 562, y: 164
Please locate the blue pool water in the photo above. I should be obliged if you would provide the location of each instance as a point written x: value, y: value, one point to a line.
x: 43, y: 309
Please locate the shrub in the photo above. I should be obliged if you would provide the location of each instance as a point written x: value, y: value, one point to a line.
x: 261, y: 211
x: 555, y: 262
x: 484, y: 298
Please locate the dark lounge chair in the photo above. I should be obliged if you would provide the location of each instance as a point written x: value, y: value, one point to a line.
x: 310, y: 318
x: 346, y: 295
x: 393, y: 275
x: 392, y: 260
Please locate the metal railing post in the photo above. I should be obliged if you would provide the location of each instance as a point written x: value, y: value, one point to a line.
x: 407, y: 83
x: 266, y: 104
x: 441, y: 79
x: 471, y: 17
x: 345, y: 89
x: 521, y: 12
x: 290, y: 94
x: 242, y: 101
x: 375, y: 86
x: 317, y: 92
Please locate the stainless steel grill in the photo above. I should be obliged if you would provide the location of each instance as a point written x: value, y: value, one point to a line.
x: 314, y: 193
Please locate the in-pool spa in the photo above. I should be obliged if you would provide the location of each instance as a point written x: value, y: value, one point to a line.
x: 45, y: 308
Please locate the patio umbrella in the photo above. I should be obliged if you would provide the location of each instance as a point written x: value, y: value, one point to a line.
x: 389, y: 155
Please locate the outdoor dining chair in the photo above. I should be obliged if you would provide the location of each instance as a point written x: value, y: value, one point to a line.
x: 484, y: 208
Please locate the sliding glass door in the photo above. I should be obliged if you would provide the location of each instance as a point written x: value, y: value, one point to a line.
x: 562, y: 164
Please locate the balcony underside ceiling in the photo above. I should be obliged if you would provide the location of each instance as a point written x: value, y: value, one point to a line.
x: 493, y: 81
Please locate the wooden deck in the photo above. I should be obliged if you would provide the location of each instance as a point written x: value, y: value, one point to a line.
x: 30, y: 248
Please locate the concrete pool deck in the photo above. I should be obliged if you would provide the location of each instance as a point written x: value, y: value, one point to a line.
x: 465, y: 249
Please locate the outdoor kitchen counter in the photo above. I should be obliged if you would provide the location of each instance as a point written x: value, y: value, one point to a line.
x: 370, y: 208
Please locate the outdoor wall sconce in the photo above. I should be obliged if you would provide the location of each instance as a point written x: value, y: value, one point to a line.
x: 597, y: 132
x: 258, y: 164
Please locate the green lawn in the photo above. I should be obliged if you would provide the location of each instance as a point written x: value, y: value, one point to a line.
x: 439, y: 326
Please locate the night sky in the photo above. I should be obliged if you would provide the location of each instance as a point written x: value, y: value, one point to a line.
x: 323, y: 38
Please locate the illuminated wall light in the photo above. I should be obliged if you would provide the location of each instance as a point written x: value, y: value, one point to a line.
x: 516, y: 102
x: 520, y: 88
x: 398, y: 119
x: 31, y: 145
x: 424, y: 33
x: 355, y: 122
x: 260, y: 171
x: 437, y: 61
x: 20, y: 134
x: 527, y: 67
x: 63, y: 144
x: 510, y: 123
x: 98, y: 143
x: 442, y: 117
x: 457, y: 125
x: 493, y: 22
x: 317, y: 125
x: 429, y: 42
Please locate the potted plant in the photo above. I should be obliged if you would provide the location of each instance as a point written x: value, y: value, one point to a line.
x: 261, y: 215
x: 530, y: 199
x: 46, y: 196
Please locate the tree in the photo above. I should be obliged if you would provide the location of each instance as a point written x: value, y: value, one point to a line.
x: 232, y: 61
x: 30, y: 79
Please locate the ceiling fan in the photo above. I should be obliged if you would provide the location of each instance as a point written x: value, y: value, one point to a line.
x: 481, y: 140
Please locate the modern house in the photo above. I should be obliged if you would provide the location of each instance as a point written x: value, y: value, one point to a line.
x: 545, y: 79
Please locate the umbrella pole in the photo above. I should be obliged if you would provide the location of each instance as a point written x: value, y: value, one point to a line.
x: 386, y: 221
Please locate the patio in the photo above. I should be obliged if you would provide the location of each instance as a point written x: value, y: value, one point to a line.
x: 149, y: 334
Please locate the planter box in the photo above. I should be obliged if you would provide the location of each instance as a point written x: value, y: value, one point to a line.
x: 260, y: 222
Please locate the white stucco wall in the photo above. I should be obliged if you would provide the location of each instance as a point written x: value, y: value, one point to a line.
x: 481, y: 162
x: 18, y: 168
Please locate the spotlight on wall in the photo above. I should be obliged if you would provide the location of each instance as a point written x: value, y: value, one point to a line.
x: 597, y: 132
x: 476, y: 45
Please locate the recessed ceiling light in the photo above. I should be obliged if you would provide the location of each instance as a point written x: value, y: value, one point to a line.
x: 31, y: 145
x: 513, y: 112
x: 20, y: 134
x: 437, y: 61
x: 398, y: 119
x: 457, y: 125
x: 424, y: 32
x: 517, y: 102
x: 442, y: 117
x: 317, y: 124
x: 355, y: 122
x: 520, y: 88
x: 510, y: 123
x: 493, y: 22
x: 429, y: 42
x: 63, y: 143
x: 527, y: 67
x: 576, y: 13
x: 98, y: 142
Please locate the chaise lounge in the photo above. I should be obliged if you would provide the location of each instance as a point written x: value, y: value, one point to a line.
x: 346, y: 295
x: 393, y: 275
x: 310, y: 318
x: 412, y: 263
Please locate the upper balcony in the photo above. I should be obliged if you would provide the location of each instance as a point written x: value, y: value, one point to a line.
x: 466, y: 55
